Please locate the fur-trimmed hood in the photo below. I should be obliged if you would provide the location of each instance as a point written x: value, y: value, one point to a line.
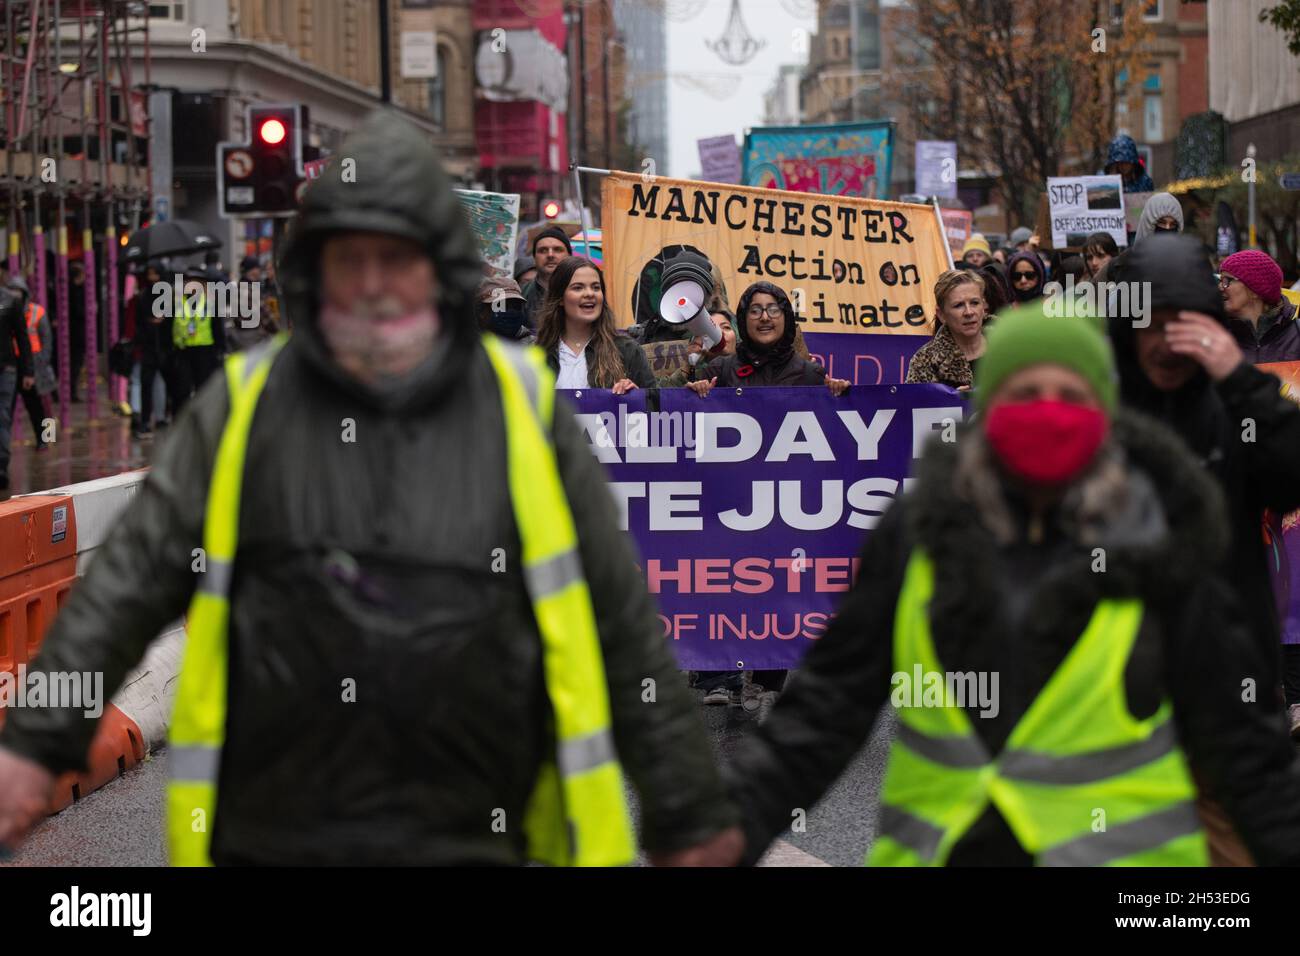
x: 1168, y: 533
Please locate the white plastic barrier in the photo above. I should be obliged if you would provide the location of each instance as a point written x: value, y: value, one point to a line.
x: 98, y: 504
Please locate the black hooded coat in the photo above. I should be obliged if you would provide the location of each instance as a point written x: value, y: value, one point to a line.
x: 392, y: 560
x: 1242, y: 430
x: 1016, y: 609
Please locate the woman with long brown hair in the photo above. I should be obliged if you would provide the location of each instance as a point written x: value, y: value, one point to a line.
x: 575, y: 328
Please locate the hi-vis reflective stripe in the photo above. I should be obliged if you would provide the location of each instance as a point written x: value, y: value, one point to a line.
x: 968, y: 753
x: 585, y: 753
x: 577, y: 814
x: 196, y: 762
x: 199, y: 718
x: 919, y: 836
x: 216, y: 579
x: 1089, y: 767
x: 1091, y: 849
x: 1125, y: 839
x: 963, y: 753
x: 554, y: 574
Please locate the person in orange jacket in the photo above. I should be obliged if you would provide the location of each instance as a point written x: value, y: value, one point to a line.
x: 40, y: 338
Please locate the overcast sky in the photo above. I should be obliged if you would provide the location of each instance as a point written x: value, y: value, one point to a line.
x: 695, y: 114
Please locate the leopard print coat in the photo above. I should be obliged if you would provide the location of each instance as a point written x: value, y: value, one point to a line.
x: 940, y: 360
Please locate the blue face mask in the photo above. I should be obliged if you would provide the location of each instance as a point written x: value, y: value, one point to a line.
x: 507, y: 323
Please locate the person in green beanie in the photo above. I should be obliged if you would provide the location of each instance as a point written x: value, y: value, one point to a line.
x: 1042, y: 612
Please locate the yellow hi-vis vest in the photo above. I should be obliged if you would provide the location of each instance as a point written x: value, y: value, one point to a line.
x: 1080, y: 782
x: 577, y: 814
x: 192, y: 326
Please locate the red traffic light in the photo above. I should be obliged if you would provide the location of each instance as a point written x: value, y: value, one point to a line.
x: 551, y: 209
x: 272, y: 132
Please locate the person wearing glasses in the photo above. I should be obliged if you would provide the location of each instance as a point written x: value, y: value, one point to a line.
x: 1027, y: 275
x: 765, y: 355
x: 1260, y: 317
x: 765, y: 352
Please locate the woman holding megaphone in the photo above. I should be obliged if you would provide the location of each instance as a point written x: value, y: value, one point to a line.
x: 576, y: 330
x: 765, y: 354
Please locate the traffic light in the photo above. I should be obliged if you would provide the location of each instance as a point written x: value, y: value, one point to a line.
x: 264, y: 176
x: 551, y: 208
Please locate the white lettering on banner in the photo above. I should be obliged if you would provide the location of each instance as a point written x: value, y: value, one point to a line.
x: 665, y: 505
x: 807, y: 504
x: 709, y: 424
x: 924, y: 421
x: 787, y: 441
x: 867, y: 437
x: 646, y: 444
x: 623, y: 492
x: 730, y: 437
x: 757, y: 519
x: 786, y: 500
x: 871, y: 496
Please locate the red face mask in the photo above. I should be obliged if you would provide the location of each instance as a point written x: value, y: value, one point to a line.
x: 1046, y: 443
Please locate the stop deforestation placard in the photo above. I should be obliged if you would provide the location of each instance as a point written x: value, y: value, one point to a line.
x: 1082, y: 205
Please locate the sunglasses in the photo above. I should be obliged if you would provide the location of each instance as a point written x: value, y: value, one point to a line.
x: 1025, y: 276
x: 1225, y: 281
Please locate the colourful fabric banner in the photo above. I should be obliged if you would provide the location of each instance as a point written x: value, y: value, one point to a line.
x: 749, y: 509
x: 860, y: 272
x: 837, y: 159
x: 494, y: 217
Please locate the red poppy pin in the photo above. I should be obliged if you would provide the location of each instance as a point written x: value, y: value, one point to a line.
x: 745, y: 371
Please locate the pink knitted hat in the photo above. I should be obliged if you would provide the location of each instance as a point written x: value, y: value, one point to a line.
x: 1257, y: 271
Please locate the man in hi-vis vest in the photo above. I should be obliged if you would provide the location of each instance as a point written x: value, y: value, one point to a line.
x: 415, y: 632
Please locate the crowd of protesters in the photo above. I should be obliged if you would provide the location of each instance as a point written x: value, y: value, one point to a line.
x: 1156, y: 688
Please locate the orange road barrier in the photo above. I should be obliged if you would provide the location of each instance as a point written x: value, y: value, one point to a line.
x: 38, y: 565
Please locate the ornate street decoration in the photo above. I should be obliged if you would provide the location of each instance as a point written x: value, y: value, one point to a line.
x: 737, y: 45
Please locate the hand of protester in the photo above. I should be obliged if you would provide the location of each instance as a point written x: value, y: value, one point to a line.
x: 25, y: 788
x: 623, y: 386
x: 28, y: 381
x: 1199, y: 337
x: 838, y: 386
x: 702, y: 388
x: 963, y: 388
x: 722, y: 849
x: 1034, y: 241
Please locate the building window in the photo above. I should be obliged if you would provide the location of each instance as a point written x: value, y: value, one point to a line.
x: 835, y: 48
x: 1153, y: 120
x: 438, y: 92
x: 1121, y: 118
x: 167, y: 11
x: 1152, y: 11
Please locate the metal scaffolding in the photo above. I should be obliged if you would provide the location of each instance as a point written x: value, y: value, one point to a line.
x: 73, y: 159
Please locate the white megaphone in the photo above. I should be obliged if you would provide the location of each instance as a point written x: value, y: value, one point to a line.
x: 682, y: 302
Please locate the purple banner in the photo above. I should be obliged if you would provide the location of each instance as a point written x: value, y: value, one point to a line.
x: 749, y: 506
x: 864, y: 359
